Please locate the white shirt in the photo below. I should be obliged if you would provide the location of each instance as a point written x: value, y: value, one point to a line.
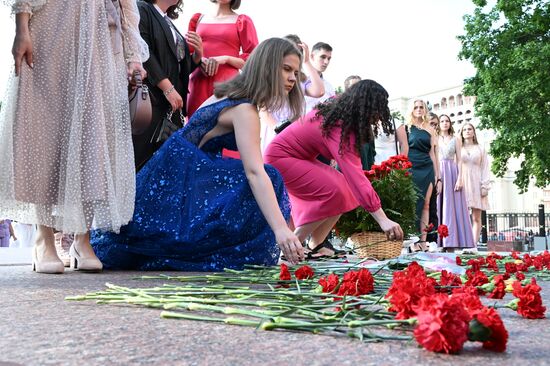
x: 385, y: 145
x: 163, y: 14
x: 329, y: 92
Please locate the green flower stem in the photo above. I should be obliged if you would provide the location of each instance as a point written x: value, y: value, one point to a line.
x: 229, y: 320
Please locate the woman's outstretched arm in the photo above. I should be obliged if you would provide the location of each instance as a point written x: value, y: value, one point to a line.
x: 246, y: 124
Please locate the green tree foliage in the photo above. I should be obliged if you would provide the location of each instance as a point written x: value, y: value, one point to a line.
x: 509, y: 44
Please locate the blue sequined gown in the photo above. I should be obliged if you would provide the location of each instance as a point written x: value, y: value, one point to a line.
x: 194, y: 210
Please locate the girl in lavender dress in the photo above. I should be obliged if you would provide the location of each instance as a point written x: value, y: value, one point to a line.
x: 451, y: 202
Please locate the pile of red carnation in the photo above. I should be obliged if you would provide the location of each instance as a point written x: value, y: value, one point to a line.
x: 448, y: 313
x: 397, y: 162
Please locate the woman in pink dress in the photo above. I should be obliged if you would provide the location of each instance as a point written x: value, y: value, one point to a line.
x: 319, y: 194
x: 475, y: 176
x: 228, y: 39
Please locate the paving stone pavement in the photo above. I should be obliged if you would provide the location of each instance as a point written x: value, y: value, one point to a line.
x: 38, y: 327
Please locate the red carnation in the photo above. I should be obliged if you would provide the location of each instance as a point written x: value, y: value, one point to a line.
x: 520, y: 276
x: 458, y: 260
x: 476, y: 278
x: 510, y: 267
x: 487, y: 327
x: 329, y: 283
x: 468, y: 297
x: 443, y: 231
x: 356, y: 283
x: 407, y: 288
x: 449, y: 279
x: 304, y: 272
x: 538, y: 263
x: 500, y: 288
x: 442, y: 324
x: 284, y: 275
x: 530, y: 302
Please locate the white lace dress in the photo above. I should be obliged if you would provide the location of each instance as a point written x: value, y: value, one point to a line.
x: 65, y: 139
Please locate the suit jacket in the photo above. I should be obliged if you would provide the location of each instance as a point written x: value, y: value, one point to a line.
x: 163, y: 62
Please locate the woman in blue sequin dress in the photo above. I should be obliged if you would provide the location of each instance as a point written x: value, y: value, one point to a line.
x: 198, y: 211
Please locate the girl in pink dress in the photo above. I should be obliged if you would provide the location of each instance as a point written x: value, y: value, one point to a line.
x: 475, y: 176
x: 319, y: 194
x: 228, y: 39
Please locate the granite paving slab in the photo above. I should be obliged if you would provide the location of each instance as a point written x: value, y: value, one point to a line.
x: 38, y: 327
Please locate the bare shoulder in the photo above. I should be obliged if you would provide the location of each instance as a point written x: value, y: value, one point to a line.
x: 244, y: 112
x: 432, y: 131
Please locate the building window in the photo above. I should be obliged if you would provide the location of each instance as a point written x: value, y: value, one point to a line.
x: 451, y: 101
x: 443, y: 103
x: 436, y: 106
x: 467, y: 100
x: 459, y: 100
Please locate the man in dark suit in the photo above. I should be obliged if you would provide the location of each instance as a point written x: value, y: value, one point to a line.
x: 168, y: 69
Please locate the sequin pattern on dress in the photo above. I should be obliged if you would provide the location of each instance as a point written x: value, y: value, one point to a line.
x: 195, y: 210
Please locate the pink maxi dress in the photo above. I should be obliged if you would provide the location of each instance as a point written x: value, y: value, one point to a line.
x: 318, y: 191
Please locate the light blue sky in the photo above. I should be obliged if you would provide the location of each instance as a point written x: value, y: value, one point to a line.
x: 410, y: 47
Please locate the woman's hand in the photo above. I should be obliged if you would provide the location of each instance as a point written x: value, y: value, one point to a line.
x: 392, y: 229
x: 132, y: 68
x: 438, y: 186
x: 195, y: 41
x: 290, y: 245
x: 175, y: 100
x: 458, y: 185
x: 209, y: 66
x: 22, y: 49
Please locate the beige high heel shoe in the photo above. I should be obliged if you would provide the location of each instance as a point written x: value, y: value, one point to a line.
x: 79, y: 263
x: 46, y: 266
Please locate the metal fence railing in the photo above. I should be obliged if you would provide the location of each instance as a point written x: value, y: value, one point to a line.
x: 514, y: 226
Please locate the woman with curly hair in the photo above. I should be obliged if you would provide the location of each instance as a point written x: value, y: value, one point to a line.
x: 319, y: 194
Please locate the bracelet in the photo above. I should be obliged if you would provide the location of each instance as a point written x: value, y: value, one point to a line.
x: 169, y: 91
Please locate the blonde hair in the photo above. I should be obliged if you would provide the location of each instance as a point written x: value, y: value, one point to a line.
x: 261, y: 79
x: 425, y: 120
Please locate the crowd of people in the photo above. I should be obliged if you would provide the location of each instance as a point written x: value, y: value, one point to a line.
x: 109, y: 198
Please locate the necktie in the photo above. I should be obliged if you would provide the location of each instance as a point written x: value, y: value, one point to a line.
x: 180, y: 45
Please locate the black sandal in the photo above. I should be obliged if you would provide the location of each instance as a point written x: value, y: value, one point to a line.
x: 327, y: 245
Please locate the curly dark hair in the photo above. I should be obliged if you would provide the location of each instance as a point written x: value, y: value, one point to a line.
x: 357, y: 111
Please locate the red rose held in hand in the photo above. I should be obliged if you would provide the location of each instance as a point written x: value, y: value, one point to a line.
x: 443, y: 231
x: 304, y: 272
x: 429, y: 228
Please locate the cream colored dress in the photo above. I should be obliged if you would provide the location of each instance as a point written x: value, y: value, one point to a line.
x: 475, y: 175
x: 65, y: 138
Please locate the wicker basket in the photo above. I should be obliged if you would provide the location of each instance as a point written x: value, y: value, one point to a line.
x: 372, y: 244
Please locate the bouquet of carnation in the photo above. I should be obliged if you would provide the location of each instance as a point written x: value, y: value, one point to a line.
x: 393, y: 183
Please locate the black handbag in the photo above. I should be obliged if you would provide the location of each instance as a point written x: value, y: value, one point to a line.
x: 166, y: 128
